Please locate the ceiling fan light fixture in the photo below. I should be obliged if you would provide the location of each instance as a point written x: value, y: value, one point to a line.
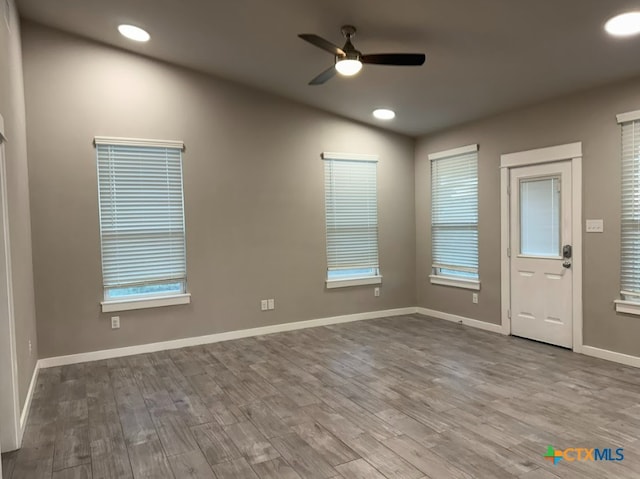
x: 384, y: 114
x: 349, y: 66
x: 624, y: 25
x: 134, y: 33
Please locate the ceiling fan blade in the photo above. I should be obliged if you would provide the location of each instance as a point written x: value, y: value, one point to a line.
x: 322, y: 43
x: 325, y: 76
x: 400, y: 59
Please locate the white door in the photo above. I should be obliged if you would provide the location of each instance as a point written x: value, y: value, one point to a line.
x: 540, y: 248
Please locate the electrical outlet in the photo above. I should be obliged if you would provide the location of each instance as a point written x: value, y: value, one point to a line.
x: 376, y: 292
x: 30, y: 348
x: 474, y: 298
x: 115, y: 322
x: 271, y: 303
x: 264, y: 305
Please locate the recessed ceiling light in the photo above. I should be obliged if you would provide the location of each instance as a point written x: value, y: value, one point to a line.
x: 348, y: 67
x: 623, y: 25
x: 384, y: 114
x: 134, y: 33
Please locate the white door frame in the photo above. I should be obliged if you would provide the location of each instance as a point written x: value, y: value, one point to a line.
x: 10, y: 401
x: 569, y: 152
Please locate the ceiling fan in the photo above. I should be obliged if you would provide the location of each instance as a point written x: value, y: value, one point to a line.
x: 348, y: 60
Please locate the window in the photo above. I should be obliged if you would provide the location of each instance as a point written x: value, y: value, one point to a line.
x: 454, y: 217
x: 540, y: 217
x: 351, y: 210
x: 630, y: 220
x: 141, y: 223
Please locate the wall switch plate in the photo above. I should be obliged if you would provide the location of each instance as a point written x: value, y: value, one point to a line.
x: 115, y: 322
x: 474, y: 298
x: 595, y: 226
x: 264, y: 305
x: 376, y: 292
x: 271, y: 303
x: 30, y: 347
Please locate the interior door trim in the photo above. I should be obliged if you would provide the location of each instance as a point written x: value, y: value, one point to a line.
x: 568, y: 152
x: 11, y: 434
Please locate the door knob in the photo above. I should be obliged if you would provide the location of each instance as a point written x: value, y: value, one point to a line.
x: 566, y: 263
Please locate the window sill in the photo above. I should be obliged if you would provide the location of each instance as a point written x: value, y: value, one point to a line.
x: 455, y: 282
x: 345, y: 283
x: 628, y: 307
x: 144, y: 303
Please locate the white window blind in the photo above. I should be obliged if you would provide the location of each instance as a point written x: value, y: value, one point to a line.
x: 630, y: 234
x: 351, y: 207
x: 141, y: 217
x: 454, y: 213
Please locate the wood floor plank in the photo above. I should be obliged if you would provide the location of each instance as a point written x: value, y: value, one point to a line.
x: 326, y: 444
x: 8, y: 464
x: 191, y: 465
x: 236, y: 469
x: 423, y: 459
x: 176, y: 437
x: 137, y: 425
x: 409, y: 426
x: 110, y: 458
x: 215, y: 444
x: 103, y: 425
x: 250, y: 442
x: 72, y: 447
x: 35, y: 469
x: 360, y: 469
x: 275, y: 469
x: 78, y: 472
x: 539, y: 474
x: 40, y: 433
x: 148, y: 461
x: 286, y: 410
x: 264, y: 419
x: 336, y: 424
x: 375, y: 426
x: 223, y: 410
x: 302, y: 457
x: 382, y: 458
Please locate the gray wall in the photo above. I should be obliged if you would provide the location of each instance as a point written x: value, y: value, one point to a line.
x: 12, y: 108
x: 254, y: 199
x: 588, y: 117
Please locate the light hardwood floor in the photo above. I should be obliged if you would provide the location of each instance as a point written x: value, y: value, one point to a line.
x: 398, y: 398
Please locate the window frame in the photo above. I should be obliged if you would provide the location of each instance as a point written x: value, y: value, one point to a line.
x: 357, y: 280
x: 437, y: 277
x: 629, y: 301
x: 151, y: 300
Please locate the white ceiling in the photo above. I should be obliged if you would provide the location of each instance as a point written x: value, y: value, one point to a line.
x: 483, y: 56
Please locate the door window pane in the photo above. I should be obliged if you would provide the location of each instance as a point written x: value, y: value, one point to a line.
x: 540, y: 217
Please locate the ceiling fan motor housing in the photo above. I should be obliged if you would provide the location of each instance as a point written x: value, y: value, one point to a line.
x: 348, y: 31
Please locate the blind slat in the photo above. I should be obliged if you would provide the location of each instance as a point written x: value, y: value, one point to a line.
x: 630, y: 224
x: 351, y: 208
x: 141, y: 215
x: 454, y: 213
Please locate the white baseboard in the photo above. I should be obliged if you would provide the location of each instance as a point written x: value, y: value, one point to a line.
x: 474, y: 323
x: 245, y: 333
x: 215, y: 338
x: 611, y: 356
x: 497, y: 328
x: 24, y: 415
